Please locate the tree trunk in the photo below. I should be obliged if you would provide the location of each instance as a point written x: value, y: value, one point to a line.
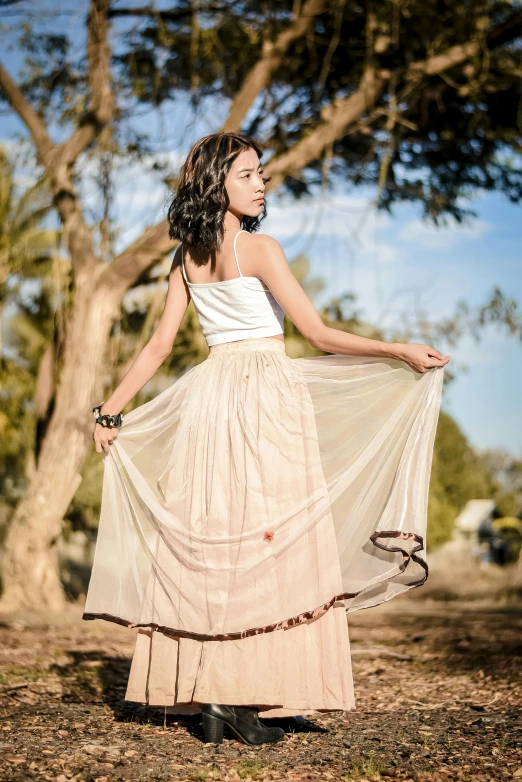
x: 43, y: 397
x: 29, y: 564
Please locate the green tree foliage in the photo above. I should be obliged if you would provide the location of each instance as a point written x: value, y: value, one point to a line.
x: 26, y: 245
x: 442, y: 80
x: 507, y: 472
x: 428, y: 135
x: 458, y: 475
x: 27, y: 255
x: 17, y: 429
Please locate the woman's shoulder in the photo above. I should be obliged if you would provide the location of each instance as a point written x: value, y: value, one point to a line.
x: 263, y: 243
x: 266, y: 256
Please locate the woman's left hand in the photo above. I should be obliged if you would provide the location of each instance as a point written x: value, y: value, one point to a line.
x: 104, y: 436
x: 421, y: 357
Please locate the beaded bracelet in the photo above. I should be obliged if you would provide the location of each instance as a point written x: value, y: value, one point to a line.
x: 107, y: 420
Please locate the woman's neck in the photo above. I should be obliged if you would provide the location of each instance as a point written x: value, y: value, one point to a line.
x: 231, y: 223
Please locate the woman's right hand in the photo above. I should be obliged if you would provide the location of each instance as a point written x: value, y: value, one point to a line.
x: 421, y: 357
x: 104, y: 436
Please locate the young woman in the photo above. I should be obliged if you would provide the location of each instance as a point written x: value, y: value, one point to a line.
x: 258, y: 499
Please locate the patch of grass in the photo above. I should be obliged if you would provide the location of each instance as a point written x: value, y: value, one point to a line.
x: 429, y: 741
x: 86, y: 679
x: 366, y: 766
x: 249, y: 768
x: 205, y: 774
x: 86, y: 674
x: 25, y: 673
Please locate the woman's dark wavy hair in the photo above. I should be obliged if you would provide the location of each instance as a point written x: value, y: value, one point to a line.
x: 198, y: 207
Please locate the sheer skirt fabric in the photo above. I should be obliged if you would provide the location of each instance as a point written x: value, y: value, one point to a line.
x: 259, y: 491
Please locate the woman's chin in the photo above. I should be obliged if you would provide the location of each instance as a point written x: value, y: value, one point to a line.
x: 254, y: 212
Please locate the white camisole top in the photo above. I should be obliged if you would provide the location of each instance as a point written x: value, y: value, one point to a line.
x: 240, y: 308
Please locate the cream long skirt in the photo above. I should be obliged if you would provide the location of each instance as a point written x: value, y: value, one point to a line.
x: 288, y: 672
x: 247, y: 508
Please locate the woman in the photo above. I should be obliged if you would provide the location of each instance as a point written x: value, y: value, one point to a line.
x: 258, y: 499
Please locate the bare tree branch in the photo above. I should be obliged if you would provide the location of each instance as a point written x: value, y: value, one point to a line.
x: 101, y: 98
x: 500, y: 35
x: 27, y: 114
x: 101, y: 102
x: 443, y: 62
x: 337, y: 118
x: 273, y: 53
x: 152, y: 245
x: 57, y: 158
x: 76, y: 233
x: 169, y: 15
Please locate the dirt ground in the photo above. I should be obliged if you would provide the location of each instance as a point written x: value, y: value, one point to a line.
x: 438, y: 688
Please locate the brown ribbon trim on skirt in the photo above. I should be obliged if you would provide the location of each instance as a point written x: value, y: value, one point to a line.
x: 300, y: 618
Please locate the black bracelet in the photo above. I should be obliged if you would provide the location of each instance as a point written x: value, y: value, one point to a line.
x: 107, y: 420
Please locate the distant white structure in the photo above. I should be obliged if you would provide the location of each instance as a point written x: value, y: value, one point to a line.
x: 464, y: 540
x: 474, y: 513
x: 480, y: 534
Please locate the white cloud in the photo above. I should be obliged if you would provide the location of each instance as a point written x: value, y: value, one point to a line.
x: 341, y: 216
x: 386, y: 253
x: 442, y: 237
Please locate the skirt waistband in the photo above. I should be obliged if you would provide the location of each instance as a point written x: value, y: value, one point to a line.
x: 261, y: 343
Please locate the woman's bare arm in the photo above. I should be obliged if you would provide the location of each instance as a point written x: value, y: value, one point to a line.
x: 151, y: 357
x: 269, y: 263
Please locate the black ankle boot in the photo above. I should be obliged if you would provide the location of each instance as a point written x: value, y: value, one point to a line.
x: 242, y: 721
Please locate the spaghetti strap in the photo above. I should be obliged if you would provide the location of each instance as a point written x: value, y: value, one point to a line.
x: 235, y: 252
x: 183, y: 263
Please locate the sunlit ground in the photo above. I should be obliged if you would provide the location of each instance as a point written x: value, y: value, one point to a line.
x: 437, y: 682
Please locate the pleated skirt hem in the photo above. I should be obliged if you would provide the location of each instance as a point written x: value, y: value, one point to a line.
x: 298, y: 671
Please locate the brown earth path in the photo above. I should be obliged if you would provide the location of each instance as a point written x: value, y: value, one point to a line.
x: 438, y: 688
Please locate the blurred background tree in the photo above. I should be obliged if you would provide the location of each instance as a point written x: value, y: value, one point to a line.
x: 28, y: 257
x: 419, y: 99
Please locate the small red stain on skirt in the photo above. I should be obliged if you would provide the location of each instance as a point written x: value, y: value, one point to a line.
x: 269, y: 534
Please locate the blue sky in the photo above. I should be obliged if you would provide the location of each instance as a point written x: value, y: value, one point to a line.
x: 398, y: 266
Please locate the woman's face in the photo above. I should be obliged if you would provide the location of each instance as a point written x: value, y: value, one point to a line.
x: 244, y: 185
